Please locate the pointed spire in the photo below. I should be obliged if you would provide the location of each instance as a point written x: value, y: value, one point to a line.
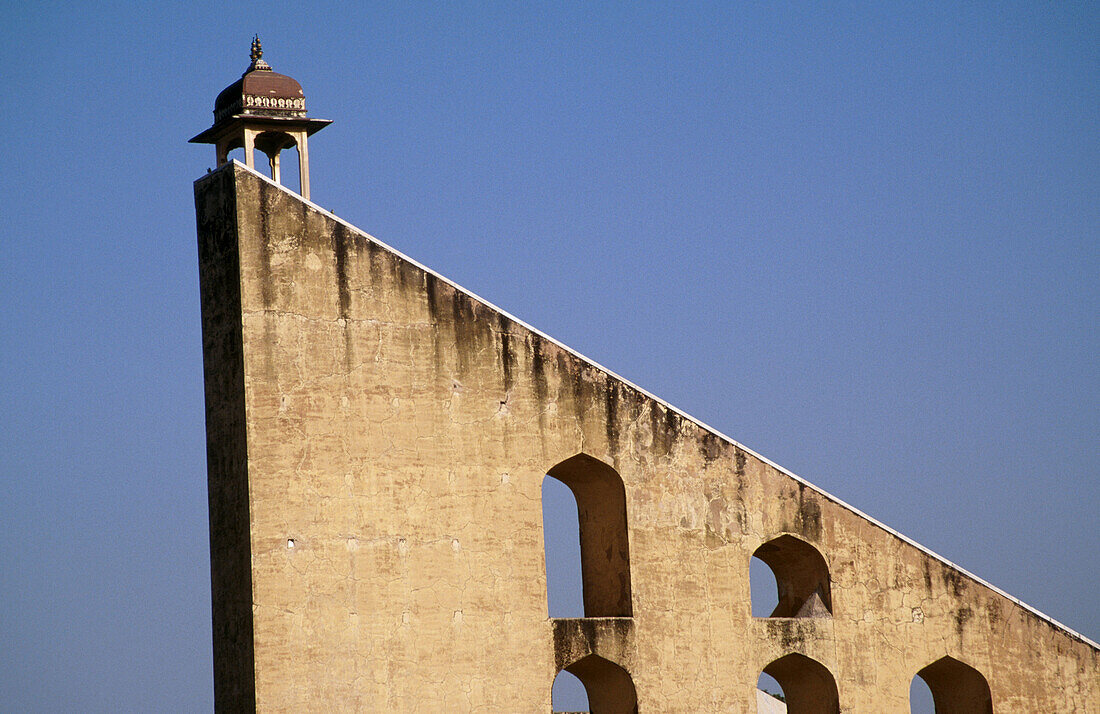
x: 814, y: 606
x: 257, y: 57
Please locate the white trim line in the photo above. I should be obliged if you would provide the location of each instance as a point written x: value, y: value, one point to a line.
x: 685, y: 415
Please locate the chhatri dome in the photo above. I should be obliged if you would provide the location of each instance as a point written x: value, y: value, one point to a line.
x: 262, y: 110
x: 261, y: 92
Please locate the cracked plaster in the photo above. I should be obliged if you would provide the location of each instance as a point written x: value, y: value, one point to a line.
x: 397, y: 429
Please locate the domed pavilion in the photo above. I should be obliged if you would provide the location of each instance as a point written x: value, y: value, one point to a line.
x: 263, y: 110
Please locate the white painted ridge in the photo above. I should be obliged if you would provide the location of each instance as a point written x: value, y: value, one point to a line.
x: 654, y: 397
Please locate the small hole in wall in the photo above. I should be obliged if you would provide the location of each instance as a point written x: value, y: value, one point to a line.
x: 289, y: 542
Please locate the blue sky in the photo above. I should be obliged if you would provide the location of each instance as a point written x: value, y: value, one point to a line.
x: 860, y: 239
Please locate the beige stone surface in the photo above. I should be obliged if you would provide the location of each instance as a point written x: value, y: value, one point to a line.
x: 377, y: 444
x: 767, y: 704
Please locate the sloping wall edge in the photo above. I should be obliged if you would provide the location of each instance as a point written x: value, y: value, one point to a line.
x: 359, y: 232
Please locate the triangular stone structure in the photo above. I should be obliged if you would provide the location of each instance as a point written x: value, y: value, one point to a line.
x: 814, y: 607
x: 767, y: 704
x: 377, y: 440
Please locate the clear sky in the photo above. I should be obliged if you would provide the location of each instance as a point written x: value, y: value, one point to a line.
x: 860, y: 239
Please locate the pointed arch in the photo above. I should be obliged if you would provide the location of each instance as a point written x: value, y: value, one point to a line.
x: 609, y: 687
x: 561, y: 545
x: 567, y: 694
x: 801, y: 577
x: 605, y: 549
x: 272, y: 143
x: 957, y: 688
x: 808, y: 687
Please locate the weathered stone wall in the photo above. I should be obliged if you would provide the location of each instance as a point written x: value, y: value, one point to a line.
x: 397, y: 431
x: 227, y: 458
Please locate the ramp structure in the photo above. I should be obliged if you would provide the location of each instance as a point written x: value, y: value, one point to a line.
x: 377, y: 441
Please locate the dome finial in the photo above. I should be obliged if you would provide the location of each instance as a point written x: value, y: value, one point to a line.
x: 257, y: 56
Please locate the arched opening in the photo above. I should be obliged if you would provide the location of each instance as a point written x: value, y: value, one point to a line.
x: 770, y: 698
x: 609, y: 688
x: 291, y: 174
x: 290, y: 170
x: 567, y: 694
x: 801, y: 579
x: 957, y: 688
x: 604, y: 548
x: 920, y: 697
x: 235, y: 150
x: 808, y: 687
x: 282, y: 165
x: 562, y: 545
x: 763, y: 587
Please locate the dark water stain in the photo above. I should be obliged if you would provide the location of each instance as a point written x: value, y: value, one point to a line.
x: 575, y: 638
x: 432, y: 288
x: 788, y: 633
x: 267, y: 287
x: 809, y: 513
x: 739, y: 461
x: 305, y: 212
x: 611, y: 406
x: 673, y: 423
x: 341, y: 237
x: 992, y: 614
x: 664, y: 424
x: 954, y: 581
x: 575, y: 372
x: 635, y: 403
x: 711, y: 445
x: 467, y: 334
x: 534, y: 347
x: 962, y: 616
x: 740, y: 511
x: 431, y: 292
x: 340, y: 240
x: 538, y: 371
x: 267, y: 280
x: 376, y: 256
x: 575, y: 376
x: 562, y: 642
x: 507, y: 359
x: 403, y: 275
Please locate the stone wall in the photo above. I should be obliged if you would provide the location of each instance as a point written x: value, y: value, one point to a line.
x: 378, y: 439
